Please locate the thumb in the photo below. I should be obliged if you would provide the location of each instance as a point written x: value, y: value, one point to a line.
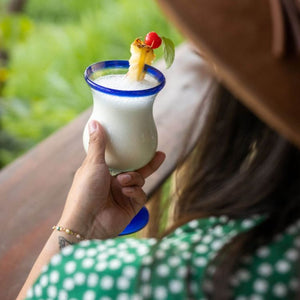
x: 97, y: 143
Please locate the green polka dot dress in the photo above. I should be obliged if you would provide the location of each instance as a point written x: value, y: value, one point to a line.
x: 177, y: 267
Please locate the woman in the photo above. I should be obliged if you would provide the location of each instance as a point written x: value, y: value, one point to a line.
x: 237, y: 218
x: 242, y: 198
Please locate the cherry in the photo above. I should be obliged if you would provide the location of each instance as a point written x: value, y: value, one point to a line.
x: 153, y: 40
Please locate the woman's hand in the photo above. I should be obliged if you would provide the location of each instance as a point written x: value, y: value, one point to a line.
x: 100, y: 205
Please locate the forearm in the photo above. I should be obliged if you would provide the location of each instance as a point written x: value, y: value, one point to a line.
x: 56, y: 241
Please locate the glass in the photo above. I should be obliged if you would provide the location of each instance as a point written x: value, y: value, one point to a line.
x: 127, y: 117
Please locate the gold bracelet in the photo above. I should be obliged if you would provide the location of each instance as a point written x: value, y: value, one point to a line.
x: 68, y: 231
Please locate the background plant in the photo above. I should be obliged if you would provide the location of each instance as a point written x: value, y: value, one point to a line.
x: 47, y: 47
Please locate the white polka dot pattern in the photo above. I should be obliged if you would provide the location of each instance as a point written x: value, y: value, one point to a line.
x: 171, y: 268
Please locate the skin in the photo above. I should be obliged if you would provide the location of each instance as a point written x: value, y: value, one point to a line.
x: 98, y: 206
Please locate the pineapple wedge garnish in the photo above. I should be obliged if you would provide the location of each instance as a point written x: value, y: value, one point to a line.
x: 141, y: 54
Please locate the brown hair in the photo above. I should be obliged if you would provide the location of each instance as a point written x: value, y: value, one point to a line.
x: 238, y: 168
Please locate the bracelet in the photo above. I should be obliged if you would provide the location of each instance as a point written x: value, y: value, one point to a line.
x: 68, y: 231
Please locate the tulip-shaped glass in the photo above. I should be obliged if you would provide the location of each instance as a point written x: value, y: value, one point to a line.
x: 125, y: 110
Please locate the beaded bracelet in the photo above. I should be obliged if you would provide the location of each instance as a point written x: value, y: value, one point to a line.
x: 68, y: 231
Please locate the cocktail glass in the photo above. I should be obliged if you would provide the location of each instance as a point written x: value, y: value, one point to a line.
x: 127, y: 117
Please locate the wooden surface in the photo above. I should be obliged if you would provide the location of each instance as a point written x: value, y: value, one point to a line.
x: 237, y: 37
x: 33, y: 188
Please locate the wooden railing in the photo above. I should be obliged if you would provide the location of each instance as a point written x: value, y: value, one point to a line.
x: 34, y: 187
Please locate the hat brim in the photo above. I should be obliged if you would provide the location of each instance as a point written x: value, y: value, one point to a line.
x: 237, y: 37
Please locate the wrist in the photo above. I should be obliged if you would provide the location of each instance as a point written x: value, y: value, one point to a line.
x: 75, y: 224
x: 84, y: 227
x: 62, y: 239
x: 68, y: 231
x: 70, y: 227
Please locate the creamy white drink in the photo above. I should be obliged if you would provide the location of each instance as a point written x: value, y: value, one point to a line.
x: 123, y: 105
x: 128, y: 121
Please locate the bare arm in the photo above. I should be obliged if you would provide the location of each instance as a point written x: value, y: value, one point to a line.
x: 55, y: 243
x: 98, y: 205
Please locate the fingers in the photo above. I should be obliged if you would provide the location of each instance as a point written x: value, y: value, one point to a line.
x: 137, y: 178
x: 97, y: 143
x: 135, y: 194
x: 132, y: 182
x: 153, y: 165
x: 131, y: 179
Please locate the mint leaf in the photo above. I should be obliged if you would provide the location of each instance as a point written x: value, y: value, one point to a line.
x: 169, y: 51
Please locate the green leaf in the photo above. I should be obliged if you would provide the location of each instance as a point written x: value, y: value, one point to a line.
x: 169, y: 51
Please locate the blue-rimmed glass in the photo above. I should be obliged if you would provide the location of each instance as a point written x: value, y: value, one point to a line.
x: 110, y: 67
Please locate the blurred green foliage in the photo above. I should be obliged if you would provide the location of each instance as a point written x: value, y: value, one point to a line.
x: 49, y: 46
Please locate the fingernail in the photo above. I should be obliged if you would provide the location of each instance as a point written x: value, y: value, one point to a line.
x: 124, y: 178
x: 93, y: 126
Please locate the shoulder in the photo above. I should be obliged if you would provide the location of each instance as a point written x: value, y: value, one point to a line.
x: 134, y: 268
x: 92, y: 268
x: 170, y: 268
x: 272, y: 272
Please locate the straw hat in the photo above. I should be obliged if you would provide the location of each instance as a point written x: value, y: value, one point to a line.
x: 256, y: 46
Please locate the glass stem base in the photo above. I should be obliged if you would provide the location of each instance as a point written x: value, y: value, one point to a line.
x: 138, y: 222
